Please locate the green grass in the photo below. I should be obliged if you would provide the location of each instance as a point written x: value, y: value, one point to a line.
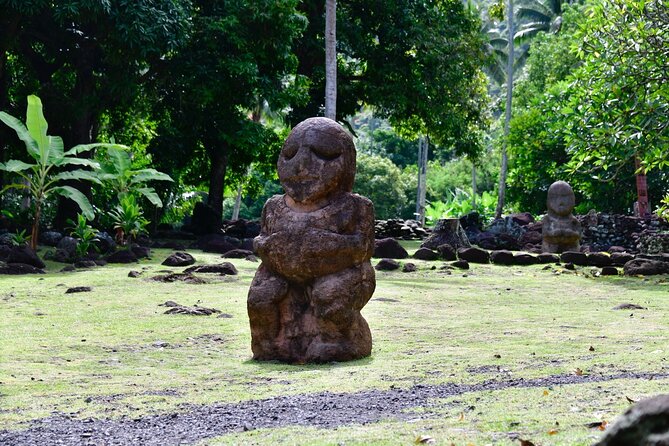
x: 113, y: 352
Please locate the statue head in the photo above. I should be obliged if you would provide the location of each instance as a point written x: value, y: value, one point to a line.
x: 561, y: 199
x: 317, y: 161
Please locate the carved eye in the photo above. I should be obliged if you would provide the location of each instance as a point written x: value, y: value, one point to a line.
x: 289, y: 151
x: 326, y: 152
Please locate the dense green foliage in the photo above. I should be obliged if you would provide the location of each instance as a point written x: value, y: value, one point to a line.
x: 40, y: 177
x: 417, y: 63
x: 391, y: 190
x: 593, y: 97
x: 206, y: 90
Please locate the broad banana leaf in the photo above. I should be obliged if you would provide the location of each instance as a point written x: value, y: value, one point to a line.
x: 120, y: 159
x: 56, y: 148
x: 79, y: 198
x: 37, y: 126
x: 77, y: 175
x: 22, y: 132
x: 151, y: 195
x: 86, y: 147
x: 15, y: 166
x: 66, y: 161
x: 144, y: 175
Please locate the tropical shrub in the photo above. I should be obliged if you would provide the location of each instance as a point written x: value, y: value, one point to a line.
x: 84, y: 233
x: 460, y: 203
x: 40, y: 178
x: 128, y: 220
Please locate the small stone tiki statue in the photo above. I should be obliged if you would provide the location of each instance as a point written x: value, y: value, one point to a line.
x: 315, y: 244
x: 560, y: 229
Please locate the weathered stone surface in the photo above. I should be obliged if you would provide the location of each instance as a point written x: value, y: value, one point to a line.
x: 425, y: 254
x: 409, y: 268
x: 398, y: 228
x: 389, y: 248
x: 4, y: 252
x: 217, y: 243
x: 79, y: 289
x: 50, y: 238
x: 620, y: 258
x: 599, y: 259
x: 25, y: 255
x: 447, y: 230
x: 501, y: 257
x: 502, y: 234
x: 575, y: 257
x: 224, y: 269
x: 315, y: 243
x: 645, y: 267
x: 522, y: 218
x: 85, y: 264
x: 447, y: 252
x: 387, y: 265
x: 474, y: 255
x: 123, y: 256
x: 104, y: 242
x: 237, y: 254
x: 609, y: 271
x: 547, y: 258
x: 68, y: 249
x: 530, y: 238
x: 179, y: 258
x: 141, y: 252
x: 462, y: 264
x: 524, y: 259
x: 644, y: 424
x: 561, y: 231
x: 18, y: 268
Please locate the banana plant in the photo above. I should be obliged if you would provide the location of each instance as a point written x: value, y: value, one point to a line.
x: 42, y: 177
x: 116, y: 170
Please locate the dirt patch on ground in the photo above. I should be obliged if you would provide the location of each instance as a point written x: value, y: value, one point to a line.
x: 324, y: 410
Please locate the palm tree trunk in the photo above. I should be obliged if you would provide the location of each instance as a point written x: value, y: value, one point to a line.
x: 507, y: 118
x: 423, y: 145
x: 331, y: 59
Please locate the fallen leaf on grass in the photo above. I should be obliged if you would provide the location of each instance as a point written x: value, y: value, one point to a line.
x: 630, y: 400
x: 578, y: 372
x: 424, y: 439
x: 552, y: 432
x: 546, y: 392
x: 461, y: 417
x: 526, y: 443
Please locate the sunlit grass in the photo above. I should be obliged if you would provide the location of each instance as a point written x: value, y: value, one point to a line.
x: 112, y: 351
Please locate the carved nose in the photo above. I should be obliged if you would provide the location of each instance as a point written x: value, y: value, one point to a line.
x: 303, y: 160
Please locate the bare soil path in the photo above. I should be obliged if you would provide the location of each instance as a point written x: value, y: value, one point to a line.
x: 324, y: 410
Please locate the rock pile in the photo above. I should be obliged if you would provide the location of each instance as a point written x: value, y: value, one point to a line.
x: 398, y: 228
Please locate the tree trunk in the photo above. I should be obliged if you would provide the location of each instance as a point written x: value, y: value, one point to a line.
x: 219, y: 164
x: 238, y: 204
x: 81, y: 132
x: 641, y: 189
x: 331, y: 59
x: 34, y: 235
x: 507, y: 118
x: 423, y: 145
x: 474, y: 191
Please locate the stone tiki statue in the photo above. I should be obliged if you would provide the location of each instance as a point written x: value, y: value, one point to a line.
x: 560, y: 230
x: 315, y: 243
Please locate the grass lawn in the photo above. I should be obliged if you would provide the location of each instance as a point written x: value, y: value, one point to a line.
x: 113, y: 352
